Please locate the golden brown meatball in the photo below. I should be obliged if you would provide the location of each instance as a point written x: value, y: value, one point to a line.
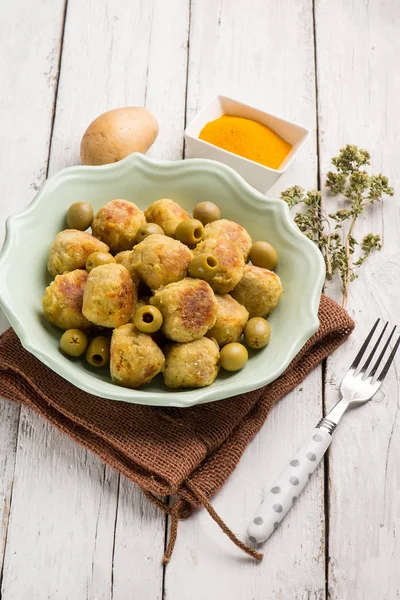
x: 62, y: 302
x: 259, y: 291
x: 160, y: 260
x: 125, y: 259
x: 167, y: 214
x: 189, y: 309
x: 231, y: 230
x: 117, y: 224
x: 70, y: 250
x: 231, y: 262
x: 191, y: 365
x: 135, y: 357
x: 110, y: 296
x: 231, y: 319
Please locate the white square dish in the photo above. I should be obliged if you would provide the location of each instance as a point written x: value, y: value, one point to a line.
x: 259, y: 176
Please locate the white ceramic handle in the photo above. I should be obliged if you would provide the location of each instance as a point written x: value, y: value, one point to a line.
x: 287, y: 488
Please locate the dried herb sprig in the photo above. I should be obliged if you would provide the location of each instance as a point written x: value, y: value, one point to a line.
x: 334, y: 232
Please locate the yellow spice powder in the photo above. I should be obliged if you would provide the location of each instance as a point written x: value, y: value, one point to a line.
x: 247, y: 138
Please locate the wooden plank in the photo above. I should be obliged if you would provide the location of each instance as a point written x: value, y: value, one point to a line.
x: 30, y: 47
x: 62, y: 521
x: 205, y: 563
x: 235, y: 48
x: 9, y: 414
x: 139, y: 537
x: 359, y: 90
x: 25, y: 75
x: 140, y: 51
x: 140, y: 532
x: 30, y: 43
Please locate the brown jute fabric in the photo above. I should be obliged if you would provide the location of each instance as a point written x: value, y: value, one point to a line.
x: 188, y: 453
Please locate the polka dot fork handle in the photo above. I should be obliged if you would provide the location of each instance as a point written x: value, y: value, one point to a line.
x: 359, y: 385
x: 290, y: 483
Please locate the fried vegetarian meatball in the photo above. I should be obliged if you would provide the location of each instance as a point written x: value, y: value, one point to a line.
x: 259, y: 291
x: 231, y: 319
x: 231, y: 230
x: 167, y: 214
x: 70, y: 250
x: 117, y: 224
x: 125, y: 259
x: 231, y: 262
x: 135, y: 357
x: 62, y: 302
x: 110, y: 296
x: 189, y: 309
x: 160, y: 260
x: 191, y: 365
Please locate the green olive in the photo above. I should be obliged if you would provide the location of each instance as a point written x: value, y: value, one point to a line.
x: 263, y: 255
x: 148, y: 229
x: 98, y: 258
x: 189, y: 232
x: 233, y: 357
x: 73, y: 342
x: 98, y: 353
x: 257, y: 333
x: 148, y: 319
x: 206, y: 212
x: 80, y: 216
x: 203, y: 266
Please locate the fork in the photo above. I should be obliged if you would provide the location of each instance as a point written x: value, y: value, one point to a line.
x: 358, y: 386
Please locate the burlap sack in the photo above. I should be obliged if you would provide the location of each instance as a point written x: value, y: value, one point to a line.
x: 188, y: 453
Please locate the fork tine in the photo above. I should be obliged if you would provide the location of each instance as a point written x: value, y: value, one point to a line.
x: 382, y: 354
x: 359, y: 356
x: 389, y: 361
x: 374, y: 349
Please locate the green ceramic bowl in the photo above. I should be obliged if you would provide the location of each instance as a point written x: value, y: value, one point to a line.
x: 23, y: 274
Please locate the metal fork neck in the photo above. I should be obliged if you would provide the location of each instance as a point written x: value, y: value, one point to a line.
x: 332, y: 419
x: 327, y: 424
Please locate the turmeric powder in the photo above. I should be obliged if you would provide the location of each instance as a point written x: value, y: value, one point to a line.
x: 247, y: 138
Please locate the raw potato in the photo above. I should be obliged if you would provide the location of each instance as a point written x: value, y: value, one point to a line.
x: 117, y: 133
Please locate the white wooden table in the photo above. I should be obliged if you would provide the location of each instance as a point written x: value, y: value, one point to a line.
x: 71, y: 528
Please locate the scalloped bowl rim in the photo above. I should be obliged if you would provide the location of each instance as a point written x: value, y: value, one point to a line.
x: 185, y: 398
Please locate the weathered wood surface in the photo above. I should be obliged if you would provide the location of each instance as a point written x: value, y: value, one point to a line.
x: 69, y: 526
x: 222, y: 59
x: 359, y: 92
x: 30, y: 42
x: 74, y: 498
